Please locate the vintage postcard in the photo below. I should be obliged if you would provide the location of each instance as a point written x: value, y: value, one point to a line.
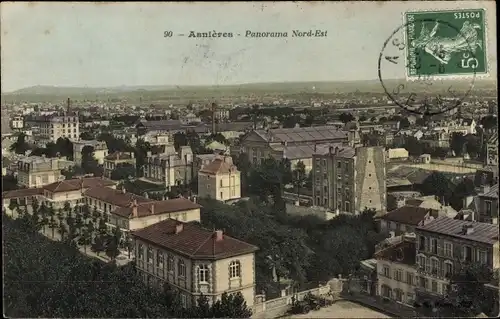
x: 250, y: 159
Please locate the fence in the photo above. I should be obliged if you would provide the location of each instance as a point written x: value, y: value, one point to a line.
x: 278, y: 306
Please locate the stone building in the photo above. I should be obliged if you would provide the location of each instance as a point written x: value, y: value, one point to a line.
x: 170, y: 168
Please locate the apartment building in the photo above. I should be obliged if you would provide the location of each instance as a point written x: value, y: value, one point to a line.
x: 170, y: 168
x: 396, y: 272
x: 404, y: 219
x: 116, y: 159
x: 157, y: 139
x: 100, y: 150
x: 36, y: 171
x: 296, y: 144
x: 17, y: 123
x: 130, y: 211
x: 444, y: 245
x: 348, y: 180
x: 52, y: 127
x: 220, y: 179
x: 195, y: 261
x: 492, y: 150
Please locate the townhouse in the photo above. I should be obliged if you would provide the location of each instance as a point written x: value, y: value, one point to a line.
x: 114, y: 160
x: 220, y: 180
x: 36, y: 171
x: 99, y: 147
x: 195, y: 261
x: 170, y: 168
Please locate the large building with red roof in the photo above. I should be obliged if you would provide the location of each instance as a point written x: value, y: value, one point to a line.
x: 194, y: 261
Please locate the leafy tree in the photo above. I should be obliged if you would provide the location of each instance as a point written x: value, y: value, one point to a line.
x: 89, y: 163
x: 346, y: 117
x: 86, y: 136
x: 63, y: 229
x: 53, y: 224
x: 299, y: 177
x: 85, y: 239
x: 404, y: 123
x: 467, y: 296
x: 463, y: 189
x: 438, y: 184
x: 9, y: 183
x: 231, y: 306
x: 489, y: 122
x: 65, y: 147
x: 20, y: 146
x: 457, y: 143
x: 180, y: 139
x: 123, y: 171
x: 472, y: 145
x: 413, y: 146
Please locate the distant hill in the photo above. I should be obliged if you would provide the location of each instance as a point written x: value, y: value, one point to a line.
x: 182, y: 93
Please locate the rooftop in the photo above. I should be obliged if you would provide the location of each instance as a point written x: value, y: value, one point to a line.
x: 156, y: 207
x: 218, y: 166
x: 402, y: 252
x: 408, y: 215
x: 25, y: 192
x: 193, y: 241
x: 483, y: 232
x: 78, y: 184
x: 303, y: 134
x: 492, y: 192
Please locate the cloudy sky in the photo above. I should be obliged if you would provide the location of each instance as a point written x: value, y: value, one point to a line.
x: 96, y: 45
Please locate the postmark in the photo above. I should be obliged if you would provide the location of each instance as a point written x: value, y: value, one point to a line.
x: 429, y: 64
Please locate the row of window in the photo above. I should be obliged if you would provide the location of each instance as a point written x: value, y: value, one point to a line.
x: 431, y: 245
x: 203, y: 269
x: 417, y: 281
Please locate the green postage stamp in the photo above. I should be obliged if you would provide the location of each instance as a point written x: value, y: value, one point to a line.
x: 446, y: 43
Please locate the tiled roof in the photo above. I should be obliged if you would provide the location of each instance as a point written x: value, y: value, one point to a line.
x: 218, y: 166
x: 192, y: 240
x: 25, y: 192
x: 156, y: 207
x: 77, y: 183
x: 402, y: 252
x: 483, y: 232
x: 118, y: 156
x: 115, y: 197
x: 303, y: 134
x: 414, y: 202
x: 408, y: 215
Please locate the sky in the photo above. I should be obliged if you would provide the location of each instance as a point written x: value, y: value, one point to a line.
x: 115, y: 44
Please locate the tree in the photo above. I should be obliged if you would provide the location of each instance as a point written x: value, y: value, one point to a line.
x: 9, y: 183
x: 85, y: 239
x: 113, y: 244
x: 404, y: 123
x: 439, y: 185
x: 413, y: 146
x: 489, y: 122
x: 53, y: 224
x: 463, y: 189
x: 65, y: 147
x: 231, y: 306
x: 86, y: 136
x: 123, y: 171
x: 180, y: 139
x: 63, y: 229
x: 467, y: 296
x: 457, y: 143
x: 20, y: 146
x: 89, y: 163
x: 346, y: 117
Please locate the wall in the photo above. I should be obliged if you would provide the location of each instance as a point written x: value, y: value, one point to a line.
x: 37, y: 179
x: 370, y: 177
x: 407, y: 289
x: 245, y: 283
x: 228, y: 186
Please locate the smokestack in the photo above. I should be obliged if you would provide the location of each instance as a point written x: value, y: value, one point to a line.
x: 214, y: 110
x: 68, y: 105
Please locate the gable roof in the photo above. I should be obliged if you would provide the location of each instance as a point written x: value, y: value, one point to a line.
x: 218, y: 166
x: 408, y: 215
x: 115, y: 197
x: 492, y: 192
x: 483, y: 232
x: 192, y: 240
x: 24, y: 192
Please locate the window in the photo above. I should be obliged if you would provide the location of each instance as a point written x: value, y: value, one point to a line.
x: 434, y: 266
x: 234, y: 269
x: 488, y: 207
x: 434, y: 286
x: 467, y: 253
x: 221, y: 195
x: 398, y: 275
x: 421, y: 261
x: 159, y: 259
x: 409, y: 299
x: 339, y: 164
x: 387, y: 272
x: 482, y: 257
x: 203, y: 274
x: 324, y: 162
x: 423, y: 282
x: 399, y: 295
x: 181, y: 268
x: 421, y: 243
x: 183, y: 300
x: 220, y: 184
x: 347, y: 206
x: 140, y: 252
x: 448, y: 249
x: 409, y: 278
x: 448, y: 268
x: 150, y: 255
x: 434, y: 245
x: 170, y: 264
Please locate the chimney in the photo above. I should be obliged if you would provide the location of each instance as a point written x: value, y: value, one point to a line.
x: 134, y: 202
x: 219, y: 235
x: 330, y: 150
x: 336, y: 150
x: 194, y: 199
x: 134, y: 211
x: 148, y: 154
x: 467, y: 229
x: 152, y: 209
x: 124, y: 191
x: 179, y: 227
x: 132, y: 154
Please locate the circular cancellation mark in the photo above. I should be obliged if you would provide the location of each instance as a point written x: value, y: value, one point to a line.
x: 430, y: 71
